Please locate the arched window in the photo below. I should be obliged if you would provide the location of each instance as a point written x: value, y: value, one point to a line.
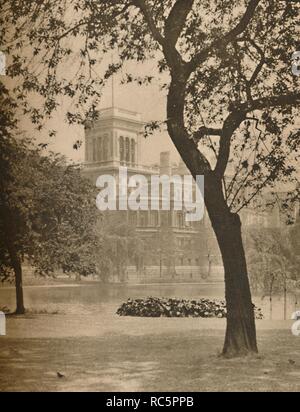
x: 105, y: 149
x: 94, y: 149
x: 154, y: 218
x: 90, y: 150
x: 122, y: 151
x: 132, y: 151
x: 180, y: 219
x: 100, y: 148
x: 107, y: 146
x: 127, y: 150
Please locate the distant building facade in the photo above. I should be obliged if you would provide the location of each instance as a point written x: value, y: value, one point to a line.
x: 175, y: 250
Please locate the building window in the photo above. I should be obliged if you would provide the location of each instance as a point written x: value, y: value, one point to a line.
x: 154, y: 218
x: 105, y: 149
x: 90, y: 150
x: 132, y: 151
x: 122, y: 151
x: 100, y: 150
x: 143, y: 219
x: 94, y: 150
x: 180, y: 219
x: 112, y: 145
x: 127, y: 150
x: 132, y: 218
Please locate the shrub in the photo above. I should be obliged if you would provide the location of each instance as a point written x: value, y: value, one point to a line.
x: 178, y: 308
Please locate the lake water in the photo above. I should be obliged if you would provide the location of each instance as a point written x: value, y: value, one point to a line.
x: 97, y: 297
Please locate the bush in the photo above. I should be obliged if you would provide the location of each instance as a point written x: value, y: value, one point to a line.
x: 176, y: 308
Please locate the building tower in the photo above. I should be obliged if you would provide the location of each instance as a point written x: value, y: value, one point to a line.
x: 112, y: 141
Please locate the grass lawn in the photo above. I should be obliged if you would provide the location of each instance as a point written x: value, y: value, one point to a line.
x: 165, y: 361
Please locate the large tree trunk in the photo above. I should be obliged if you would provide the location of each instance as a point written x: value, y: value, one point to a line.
x: 240, y: 336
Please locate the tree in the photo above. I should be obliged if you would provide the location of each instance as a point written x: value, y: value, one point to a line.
x: 230, y: 91
x: 119, y: 247
x: 273, y: 263
x: 47, y: 212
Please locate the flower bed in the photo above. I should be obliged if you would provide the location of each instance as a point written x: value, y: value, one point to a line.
x: 178, y: 308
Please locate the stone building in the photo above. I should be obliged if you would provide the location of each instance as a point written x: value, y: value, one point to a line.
x: 176, y: 250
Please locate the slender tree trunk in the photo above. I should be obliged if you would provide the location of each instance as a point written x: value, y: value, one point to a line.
x: 17, y: 266
x: 271, y: 297
x: 15, y: 261
x: 284, y: 298
x: 20, y: 310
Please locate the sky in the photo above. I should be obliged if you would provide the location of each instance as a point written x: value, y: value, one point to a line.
x: 149, y: 100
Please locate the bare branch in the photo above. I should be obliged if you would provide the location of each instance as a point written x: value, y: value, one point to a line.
x: 254, y: 194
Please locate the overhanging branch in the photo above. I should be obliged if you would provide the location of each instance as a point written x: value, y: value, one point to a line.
x: 206, y: 131
x: 142, y: 5
x: 232, y: 122
x: 267, y: 102
x: 220, y: 43
x: 176, y: 20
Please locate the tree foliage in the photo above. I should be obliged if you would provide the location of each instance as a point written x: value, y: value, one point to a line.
x: 237, y: 59
x: 119, y: 248
x: 273, y: 260
x: 47, y: 210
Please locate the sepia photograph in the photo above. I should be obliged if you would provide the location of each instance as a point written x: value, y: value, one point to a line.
x: 149, y: 198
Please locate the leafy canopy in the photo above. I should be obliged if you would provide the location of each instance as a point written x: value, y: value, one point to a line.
x: 235, y: 56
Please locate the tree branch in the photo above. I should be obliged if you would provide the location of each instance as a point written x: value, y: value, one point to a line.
x: 227, y: 38
x: 238, y: 114
x: 267, y: 102
x: 142, y: 5
x: 172, y: 55
x: 206, y: 131
x: 244, y: 22
x: 176, y: 20
x: 232, y: 122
